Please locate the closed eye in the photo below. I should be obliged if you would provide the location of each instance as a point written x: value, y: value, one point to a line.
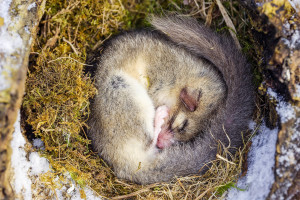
x: 184, y: 125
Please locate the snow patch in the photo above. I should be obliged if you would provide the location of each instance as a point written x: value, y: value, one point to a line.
x: 259, y: 4
x: 90, y: 195
x: 26, y: 29
x: 260, y: 175
x: 38, y: 164
x: 284, y: 109
x: 261, y: 158
x: 22, y: 166
x: 297, y: 93
x: 24, y: 169
x: 39, y: 144
x: 11, y: 43
x: 19, y: 163
x: 33, y: 5
x: 295, y: 4
x: 74, y: 193
x: 252, y: 125
x: 295, y: 39
x: 292, y: 37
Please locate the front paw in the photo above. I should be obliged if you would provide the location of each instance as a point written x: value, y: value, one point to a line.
x: 165, y: 138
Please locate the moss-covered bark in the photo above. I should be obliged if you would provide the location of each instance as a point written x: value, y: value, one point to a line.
x: 23, y: 22
x: 277, y: 24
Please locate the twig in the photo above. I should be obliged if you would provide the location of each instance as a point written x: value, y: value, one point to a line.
x: 68, y: 58
x: 229, y: 141
x: 196, y: 4
x: 134, y: 193
x: 127, y: 185
x: 202, y: 195
x: 178, y: 180
x: 77, y: 30
x: 66, y: 10
x: 72, y: 46
x: 224, y: 159
x: 131, y: 194
x: 100, y: 42
x: 229, y: 23
x: 120, y: 2
x: 52, y: 41
x: 209, y: 15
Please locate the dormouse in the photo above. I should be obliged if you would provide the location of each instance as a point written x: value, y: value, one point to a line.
x: 166, y: 97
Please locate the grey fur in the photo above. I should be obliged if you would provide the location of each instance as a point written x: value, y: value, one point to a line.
x: 117, y: 126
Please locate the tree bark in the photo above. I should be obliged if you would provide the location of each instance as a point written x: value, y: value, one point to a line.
x: 24, y: 16
x: 277, y: 24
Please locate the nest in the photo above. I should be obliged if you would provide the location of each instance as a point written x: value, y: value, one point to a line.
x: 56, y: 104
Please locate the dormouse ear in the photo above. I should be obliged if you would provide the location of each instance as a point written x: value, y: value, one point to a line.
x: 190, y: 98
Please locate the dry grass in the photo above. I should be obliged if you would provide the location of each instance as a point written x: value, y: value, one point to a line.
x: 221, y: 176
x: 56, y: 104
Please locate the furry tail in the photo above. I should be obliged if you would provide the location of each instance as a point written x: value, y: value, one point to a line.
x: 232, y: 119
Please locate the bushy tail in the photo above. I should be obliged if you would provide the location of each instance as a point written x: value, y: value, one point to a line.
x: 234, y: 116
